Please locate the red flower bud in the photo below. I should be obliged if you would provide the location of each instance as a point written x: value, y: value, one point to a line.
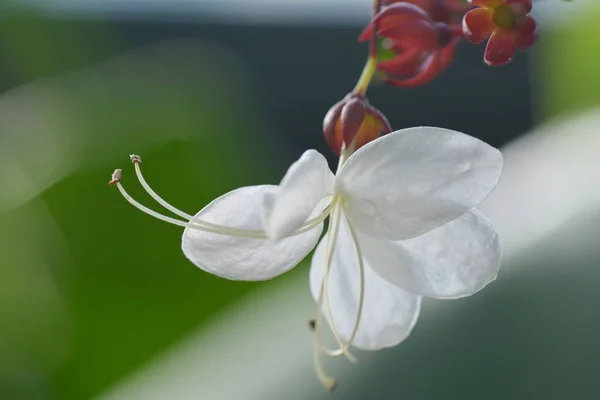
x: 423, y: 47
x: 507, y: 25
x: 406, y: 23
x: 353, y: 122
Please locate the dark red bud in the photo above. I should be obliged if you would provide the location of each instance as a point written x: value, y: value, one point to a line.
x: 385, y: 125
x: 420, y: 35
x: 351, y: 118
x: 391, y: 18
x: 329, y: 126
x: 353, y: 121
x: 428, y: 70
x: 418, y: 61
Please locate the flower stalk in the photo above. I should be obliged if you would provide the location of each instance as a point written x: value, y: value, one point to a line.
x: 371, y: 65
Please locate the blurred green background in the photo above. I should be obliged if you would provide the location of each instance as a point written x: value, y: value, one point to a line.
x: 91, y: 290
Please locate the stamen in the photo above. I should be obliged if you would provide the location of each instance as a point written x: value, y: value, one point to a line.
x: 328, y: 382
x: 236, y: 232
x: 344, y: 347
x: 174, y: 221
x: 149, y: 211
x: 136, y: 160
x: 308, y: 225
x: 330, y: 253
x: 319, y: 348
x: 361, y: 300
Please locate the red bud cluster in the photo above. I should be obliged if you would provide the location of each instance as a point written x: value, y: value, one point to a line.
x: 418, y: 39
x: 423, y: 34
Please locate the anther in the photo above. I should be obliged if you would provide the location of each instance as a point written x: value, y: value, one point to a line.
x: 312, y: 324
x: 135, y: 158
x: 115, y: 177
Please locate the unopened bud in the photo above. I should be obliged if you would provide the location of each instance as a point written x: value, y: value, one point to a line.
x: 353, y: 122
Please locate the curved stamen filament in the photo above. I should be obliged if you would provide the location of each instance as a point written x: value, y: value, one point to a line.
x: 138, y: 171
x: 229, y: 230
x: 327, y: 381
x: 330, y: 254
x: 361, y: 299
x: 249, y: 234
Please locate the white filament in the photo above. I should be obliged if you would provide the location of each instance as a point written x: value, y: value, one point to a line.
x: 221, y: 230
x: 237, y: 232
x: 361, y: 299
x: 325, y: 285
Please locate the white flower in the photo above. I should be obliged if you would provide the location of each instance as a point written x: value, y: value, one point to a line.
x: 402, y: 226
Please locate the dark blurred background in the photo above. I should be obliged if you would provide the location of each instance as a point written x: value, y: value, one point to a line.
x: 92, y: 291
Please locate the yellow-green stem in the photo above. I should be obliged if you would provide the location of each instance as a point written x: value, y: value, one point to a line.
x: 367, y: 75
x: 371, y: 66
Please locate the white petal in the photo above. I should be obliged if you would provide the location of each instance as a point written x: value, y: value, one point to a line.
x: 411, y: 181
x: 288, y: 206
x: 454, y: 260
x: 389, y: 313
x: 242, y: 258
